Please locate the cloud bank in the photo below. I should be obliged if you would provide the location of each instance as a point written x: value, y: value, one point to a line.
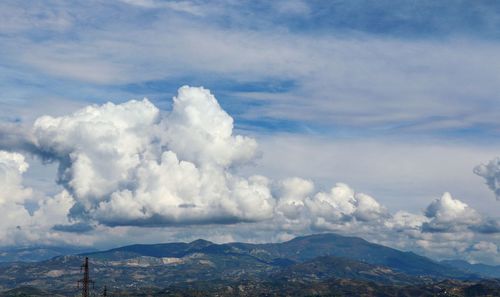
x: 127, y: 166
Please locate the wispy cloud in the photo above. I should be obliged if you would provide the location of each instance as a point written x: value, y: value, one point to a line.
x: 417, y: 85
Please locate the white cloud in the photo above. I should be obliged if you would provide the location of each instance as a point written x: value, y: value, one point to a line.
x: 299, y: 209
x: 447, y: 214
x: 200, y: 131
x: 17, y: 224
x: 401, y: 174
x: 181, y: 6
x: 127, y: 164
x: 447, y: 229
x: 342, y: 210
x: 291, y: 197
x: 12, y: 196
x: 483, y: 252
x: 343, y: 204
x: 98, y: 146
x: 12, y: 166
x: 408, y: 224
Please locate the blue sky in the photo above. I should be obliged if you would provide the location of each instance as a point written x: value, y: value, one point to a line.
x: 398, y: 99
x: 381, y: 69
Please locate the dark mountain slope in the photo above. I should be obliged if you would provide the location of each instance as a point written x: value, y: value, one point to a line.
x: 327, y: 267
x: 307, y: 247
x: 175, y: 249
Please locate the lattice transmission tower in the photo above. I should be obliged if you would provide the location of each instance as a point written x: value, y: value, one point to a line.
x: 85, y: 281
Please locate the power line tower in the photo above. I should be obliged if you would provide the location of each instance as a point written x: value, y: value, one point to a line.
x: 85, y: 281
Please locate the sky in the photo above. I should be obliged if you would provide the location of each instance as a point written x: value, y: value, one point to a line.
x: 146, y: 121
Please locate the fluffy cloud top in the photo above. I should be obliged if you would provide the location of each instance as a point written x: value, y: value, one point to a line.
x: 339, y: 209
x: 447, y: 213
x: 343, y: 204
x: 97, y: 146
x: 200, y: 131
x: 128, y: 164
x: 292, y: 195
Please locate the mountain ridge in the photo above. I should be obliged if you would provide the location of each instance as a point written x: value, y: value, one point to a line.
x: 304, y: 262
x: 299, y: 249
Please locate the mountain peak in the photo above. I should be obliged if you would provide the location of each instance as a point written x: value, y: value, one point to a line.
x: 326, y: 237
x: 199, y: 243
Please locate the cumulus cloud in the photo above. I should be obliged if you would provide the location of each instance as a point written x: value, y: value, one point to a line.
x: 12, y: 166
x: 343, y: 204
x: 491, y: 173
x: 447, y: 214
x: 97, y: 146
x: 128, y: 164
x: 404, y: 221
x: 131, y: 165
x: 13, y: 194
x: 447, y: 228
x: 292, y: 195
x: 298, y: 208
x: 200, y: 131
x: 17, y: 224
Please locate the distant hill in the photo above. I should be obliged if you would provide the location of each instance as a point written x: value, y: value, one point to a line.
x: 328, y: 267
x: 175, y: 249
x: 488, y: 271
x: 300, y: 263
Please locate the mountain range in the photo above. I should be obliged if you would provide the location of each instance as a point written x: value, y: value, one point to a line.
x: 324, y: 262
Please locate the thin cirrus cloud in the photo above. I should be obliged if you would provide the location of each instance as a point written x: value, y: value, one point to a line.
x: 336, y: 76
